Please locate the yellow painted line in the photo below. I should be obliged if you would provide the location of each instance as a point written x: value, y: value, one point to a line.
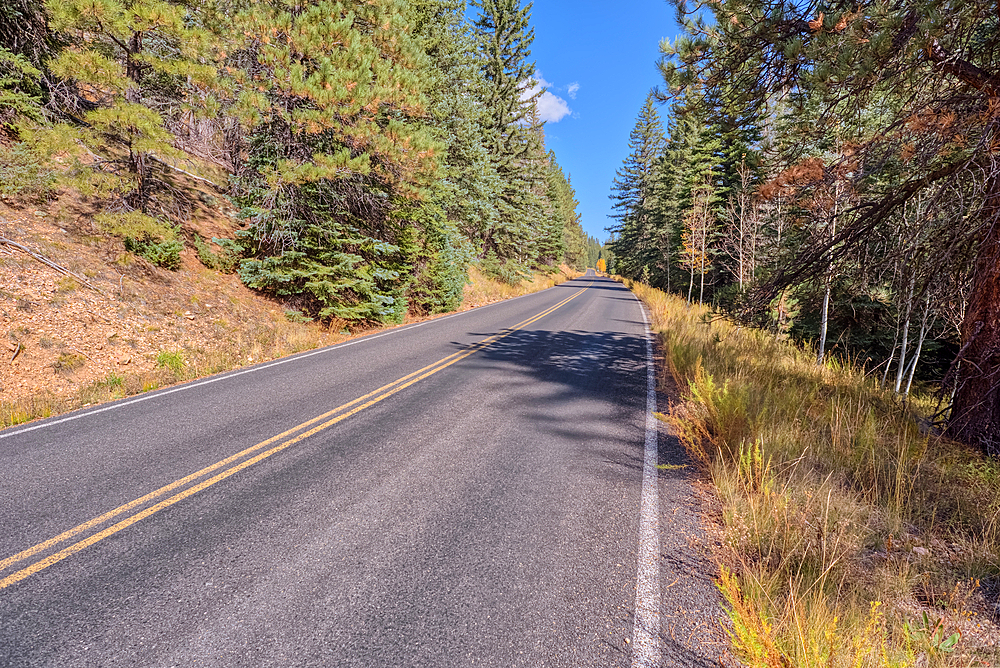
x: 372, y: 398
x: 66, y: 535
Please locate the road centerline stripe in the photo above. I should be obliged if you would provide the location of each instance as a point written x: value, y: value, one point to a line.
x: 293, y: 435
x: 227, y: 375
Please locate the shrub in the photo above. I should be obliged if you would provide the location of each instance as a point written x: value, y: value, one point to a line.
x: 170, y: 359
x: 166, y: 254
x: 225, y: 260
x: 144, y: 235
x: 23, y: 173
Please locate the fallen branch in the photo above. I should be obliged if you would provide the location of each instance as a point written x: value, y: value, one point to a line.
x: 182, y: 171
x: 44, y: 260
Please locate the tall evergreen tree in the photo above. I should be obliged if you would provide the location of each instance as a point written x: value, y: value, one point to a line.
x: 461, y: 204
x: 510, y: 129
x: 564, y: 202
x: 332, y: 94
x: 640, y: 237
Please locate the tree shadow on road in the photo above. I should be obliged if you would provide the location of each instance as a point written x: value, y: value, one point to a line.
x: 564, y: 381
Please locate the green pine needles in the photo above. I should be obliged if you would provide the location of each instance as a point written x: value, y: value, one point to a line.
x: 375, y: 149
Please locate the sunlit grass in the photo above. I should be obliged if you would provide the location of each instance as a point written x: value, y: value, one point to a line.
x: 250, y: 342
x: 842, y: 519
x: 483, y: 290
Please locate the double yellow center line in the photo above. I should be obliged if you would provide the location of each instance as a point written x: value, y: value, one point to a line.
x: 235, y: 463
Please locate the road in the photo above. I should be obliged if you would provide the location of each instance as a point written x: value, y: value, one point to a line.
x: 468, y: 491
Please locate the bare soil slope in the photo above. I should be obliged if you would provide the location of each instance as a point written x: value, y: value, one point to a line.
x: 65, y: 344
x: 134, y: 326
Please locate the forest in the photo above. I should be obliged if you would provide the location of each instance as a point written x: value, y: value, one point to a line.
x: 829, y: 172
x: 373, y: 149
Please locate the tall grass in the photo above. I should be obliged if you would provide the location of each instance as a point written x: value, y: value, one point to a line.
x: 843, y: 521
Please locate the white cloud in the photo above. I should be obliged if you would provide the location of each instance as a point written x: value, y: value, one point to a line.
x: 571, y: 91
x: 551, y: 107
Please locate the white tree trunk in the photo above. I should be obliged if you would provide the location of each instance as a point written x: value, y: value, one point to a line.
x: 924, y: 328
x: 906, y: 333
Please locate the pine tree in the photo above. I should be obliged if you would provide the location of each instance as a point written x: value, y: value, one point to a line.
x: 563, y: 198
x: 510, y: 130
x: 461, y: 204
x: 127, y: 60
x: 641, y: 242
x: 333, y: 97
x: 127, y: 67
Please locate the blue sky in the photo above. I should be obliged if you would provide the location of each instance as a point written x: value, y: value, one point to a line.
x: 599, y: 58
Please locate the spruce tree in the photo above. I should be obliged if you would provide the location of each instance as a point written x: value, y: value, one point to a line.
x: 510, y: 130
x: 461, y: 203
x: 563, y: 198
x: 636, y: 198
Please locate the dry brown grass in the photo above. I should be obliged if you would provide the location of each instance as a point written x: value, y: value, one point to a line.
x: 844, y: 523
x: 483, y: 290
x: 237, y: 346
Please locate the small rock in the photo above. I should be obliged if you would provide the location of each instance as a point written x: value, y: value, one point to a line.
x: 125, y: 361
x: 922, y: 551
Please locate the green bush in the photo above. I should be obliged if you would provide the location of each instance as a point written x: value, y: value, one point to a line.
x: 226, y: 260
x: 439, y: 285
x: 23, y: 173
x: 20, y: 92
x: 166, y: 254
x: 144, y: 235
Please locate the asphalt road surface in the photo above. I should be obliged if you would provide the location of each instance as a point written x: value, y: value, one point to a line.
x: 467, y: 491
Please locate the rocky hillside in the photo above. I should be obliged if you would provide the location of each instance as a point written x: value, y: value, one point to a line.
x: 114, y: 324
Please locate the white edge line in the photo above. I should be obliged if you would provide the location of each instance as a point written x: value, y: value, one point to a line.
x: 646, y: 624
x: 233, y: 374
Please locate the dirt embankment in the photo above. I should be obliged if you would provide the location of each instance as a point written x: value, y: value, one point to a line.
x: 124, y: 326
x: 140, y: 326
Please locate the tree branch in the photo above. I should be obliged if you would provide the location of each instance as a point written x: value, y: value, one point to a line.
x: 965, y: 71
x: 872, y: 214
x: 44, y: 260
x: 193, y: 176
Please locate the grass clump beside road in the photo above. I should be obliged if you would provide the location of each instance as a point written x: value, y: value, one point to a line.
x: 853, y: 538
